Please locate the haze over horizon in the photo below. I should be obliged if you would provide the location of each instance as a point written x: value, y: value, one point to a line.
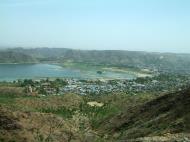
x: 139, y: 25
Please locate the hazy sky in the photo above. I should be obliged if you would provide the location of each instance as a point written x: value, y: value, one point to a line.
x: 150, y: 25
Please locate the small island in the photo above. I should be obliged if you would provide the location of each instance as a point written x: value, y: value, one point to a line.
x: 99, y: 72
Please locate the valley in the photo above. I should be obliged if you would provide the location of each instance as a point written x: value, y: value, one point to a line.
x: 65, y: 100
x: 94, y: 71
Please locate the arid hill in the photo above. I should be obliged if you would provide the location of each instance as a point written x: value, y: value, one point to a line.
x: 142, y: 118
x: 166, y: 116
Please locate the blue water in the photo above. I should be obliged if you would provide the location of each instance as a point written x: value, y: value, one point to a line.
x: 10, y: 72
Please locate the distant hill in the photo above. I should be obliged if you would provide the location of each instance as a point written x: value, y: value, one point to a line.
x: 118, y: 58
x: 15, y: 57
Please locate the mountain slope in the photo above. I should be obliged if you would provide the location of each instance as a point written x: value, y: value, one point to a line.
x: 167, y: 114
x: 136, y: 59
x: 15, y: 57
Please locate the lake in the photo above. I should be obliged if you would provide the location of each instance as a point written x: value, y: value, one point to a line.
x: 10, y: 72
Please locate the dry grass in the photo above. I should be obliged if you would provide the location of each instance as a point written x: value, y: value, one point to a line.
x: 69, y: 101
x: 38, y: 127
x: 12, y: 91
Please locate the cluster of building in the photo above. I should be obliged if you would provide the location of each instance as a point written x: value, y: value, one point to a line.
x: 97, y: 87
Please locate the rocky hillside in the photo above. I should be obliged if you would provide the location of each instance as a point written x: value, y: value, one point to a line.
x: 164, y: 118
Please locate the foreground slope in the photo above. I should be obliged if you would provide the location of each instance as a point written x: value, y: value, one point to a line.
x: 168, y: 114
x: 142, y: 117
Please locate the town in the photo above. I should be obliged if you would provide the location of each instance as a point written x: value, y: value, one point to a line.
x: 161, y: 83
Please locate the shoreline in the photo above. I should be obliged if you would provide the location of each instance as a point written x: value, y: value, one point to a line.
x: 91, y: 76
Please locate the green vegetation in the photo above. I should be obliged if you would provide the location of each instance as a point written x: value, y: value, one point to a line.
x: 73, y: 109
x: 75, y: 118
